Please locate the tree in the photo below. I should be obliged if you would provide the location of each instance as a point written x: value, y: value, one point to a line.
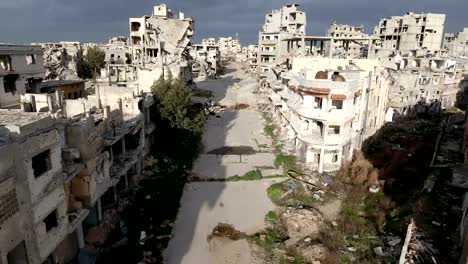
x: 176, y: 119
x: 95, y: 59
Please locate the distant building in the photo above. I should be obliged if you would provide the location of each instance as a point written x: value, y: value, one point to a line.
x: 348, y: 48
x: 160, y: 43
x: 457, y: 43
x: 408, y: 33
x: 279, y: 24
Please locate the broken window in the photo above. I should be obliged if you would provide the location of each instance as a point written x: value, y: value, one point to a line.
x: 51, y: 221
x: 41, y: 163
x: 18, y: 254
x: 335, y: 158
x: 334, y: 130
x: 135, y: 26
x: 30, y: 59
x: 9, y: 83
x: 318, y: 102
x: 5, y: 62
x: 338, y: 104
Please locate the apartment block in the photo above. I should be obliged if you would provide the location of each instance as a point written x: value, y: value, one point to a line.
x: 207, y: 59
x: 279, y: 24
x: 160, y: 43
x: 350, y: 41
x: 322, y: 106
x: 229, y: 47
x: 457, y: 43
x: 20, y: 68
x: 408, y: 33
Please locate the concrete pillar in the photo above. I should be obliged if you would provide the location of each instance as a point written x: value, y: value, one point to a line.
x: 322, y: 160
x: 4, y: 259
x: 123, y: 145
x: 99, y: 210
x: 33, y: 103
x: 58, y: 96
x: 98, y: 97
x: 80, y: 236
x: 330, y: 52
x: 107, y: 112
x: 127, y: 185
x: 120, y: 105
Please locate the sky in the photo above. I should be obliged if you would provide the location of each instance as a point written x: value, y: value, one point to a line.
x: 26, y: 21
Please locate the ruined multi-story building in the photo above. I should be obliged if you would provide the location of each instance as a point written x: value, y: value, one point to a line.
x: 62, y: 59
x: 67, y: 166
x: 323, y: 108
x: 457, y: 43
x: 118, y: 61
x: 279, y: 24
x: 20, y: 68
x: 250, y: 56
x: 424, y: 83
x: 160, y: 43
x: 229, y: 47
x: 357, y: 45
x: 408, y: 33
x: 207, y: 59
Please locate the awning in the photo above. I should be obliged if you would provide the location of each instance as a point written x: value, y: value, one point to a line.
x: 338, y: 97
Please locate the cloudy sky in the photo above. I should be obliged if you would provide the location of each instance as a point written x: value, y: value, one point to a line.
x: 25, y: 21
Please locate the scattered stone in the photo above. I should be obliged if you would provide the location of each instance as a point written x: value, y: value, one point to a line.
x: 301, y: 222
x: 334, y: 223
x: 226, y: 230
x: 351, y: 249
x: 379, y: 251
x: 435, y: 223
x: 307, y: 240
x: 262, y: 237
x: 394, y: 242
x: 313, y: 253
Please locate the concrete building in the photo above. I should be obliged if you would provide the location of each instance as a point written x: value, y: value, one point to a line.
x: 160, y: 43
x: 66, y: 173
x: 322, y: 106
x: 344, y: 48
x: 421, y: 84
x: 68, y: 164
x: 279, y: 24
x: 119, y: 67
x: 20, y: 68
x: 457, y: 43
x: 250, y: 57
x: 229, y: 47
x: 207, y: 59
x: 408, y: 33
x: 62, y: 59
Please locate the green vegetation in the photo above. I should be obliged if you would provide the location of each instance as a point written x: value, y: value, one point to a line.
x: 176, y: 144
x: 93, y: 63
x: 283, y: 160
x: 249, y: 176
x: 272, y: 217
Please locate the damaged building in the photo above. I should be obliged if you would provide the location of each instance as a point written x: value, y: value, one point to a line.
x: 20, y: 68
x: 456, y: 43
x: 207, y: 59
x: 249, y: 56
x: 160, y: 43
x: 286, y: 22
x: 356, y: 47
x: 229, y: 47
x: 61, y: 60
x: 321, y: 106
x: 407, y: 33
x: 70, y: 163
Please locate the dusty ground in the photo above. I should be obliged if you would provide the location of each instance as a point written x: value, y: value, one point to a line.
x: 242, y: 204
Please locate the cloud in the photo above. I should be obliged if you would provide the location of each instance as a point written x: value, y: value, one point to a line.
x: 25, y: 21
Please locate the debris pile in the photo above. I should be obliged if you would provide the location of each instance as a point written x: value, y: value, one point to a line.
x: 61, y: 60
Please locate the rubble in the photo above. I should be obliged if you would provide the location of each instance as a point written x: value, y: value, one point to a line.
x: 299, y: 223
x: 61, y: 60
